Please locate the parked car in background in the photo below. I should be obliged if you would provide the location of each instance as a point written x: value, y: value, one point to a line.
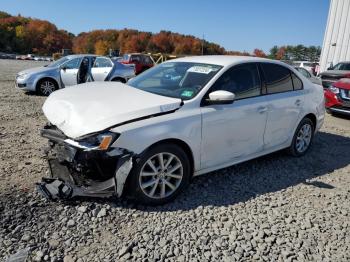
x: 182, y: 118
x: 337, y: 97
x: 7, y: 56
x: 314, y: 79
x: 72, y: 70
x: 333, y: 74
x: 142, y: 62
x: 309, y: 66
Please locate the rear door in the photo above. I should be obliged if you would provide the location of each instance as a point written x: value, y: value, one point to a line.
x: 69, y: 71
x: 101, y: 68
x: 285, y: 99
x: 233, y: 131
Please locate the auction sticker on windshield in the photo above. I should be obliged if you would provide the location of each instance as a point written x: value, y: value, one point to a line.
x: 202, y: 69
x: 187, y: 93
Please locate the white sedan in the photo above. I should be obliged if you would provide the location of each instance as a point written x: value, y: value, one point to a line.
x: 182, y: 118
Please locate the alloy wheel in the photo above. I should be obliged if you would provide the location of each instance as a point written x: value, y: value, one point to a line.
x: 303, y: 139
x: 161, y: 175
x: 47, y: 87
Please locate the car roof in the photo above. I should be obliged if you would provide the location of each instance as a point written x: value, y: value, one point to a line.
x: 223, y: 60
x: 80, y: 55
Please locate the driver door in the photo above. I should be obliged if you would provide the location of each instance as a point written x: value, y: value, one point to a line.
x: 231, y: 132
x: 101, y: 68
x: 69, y: 71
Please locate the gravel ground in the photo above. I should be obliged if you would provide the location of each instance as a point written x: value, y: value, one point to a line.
x: 275, y: 208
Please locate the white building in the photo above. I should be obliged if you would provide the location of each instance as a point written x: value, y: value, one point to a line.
x: 336, y: 42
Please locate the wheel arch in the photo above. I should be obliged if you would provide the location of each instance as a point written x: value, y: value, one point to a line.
x: 313, y: 118
x: 182, y: 144
x: 123, y: 80
x: 46, y: 78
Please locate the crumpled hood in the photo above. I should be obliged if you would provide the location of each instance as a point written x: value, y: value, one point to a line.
x: 95, y: 106
x: 36, y: 70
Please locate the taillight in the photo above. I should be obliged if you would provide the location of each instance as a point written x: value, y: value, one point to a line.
x: 347, y: 75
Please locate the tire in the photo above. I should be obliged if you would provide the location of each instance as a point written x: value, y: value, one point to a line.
x: 121, y: 80
x: 154, y: 185
x: 46, y: 86
x: 302, y: 139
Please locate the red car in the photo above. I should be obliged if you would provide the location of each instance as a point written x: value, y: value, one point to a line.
x: 142, y: 62
x: 337, y: 97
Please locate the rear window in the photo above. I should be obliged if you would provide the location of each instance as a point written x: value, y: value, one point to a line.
x: 277, y: 78
x: 147, y: 60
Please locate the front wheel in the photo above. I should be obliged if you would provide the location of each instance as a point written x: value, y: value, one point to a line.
x: 161, y: 174
x: 302, y: 138
x: 46, y: 87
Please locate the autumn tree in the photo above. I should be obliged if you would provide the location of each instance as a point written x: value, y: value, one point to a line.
x: 101, y: 47
x: 259, y: 53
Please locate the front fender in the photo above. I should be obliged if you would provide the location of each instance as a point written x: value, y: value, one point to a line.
x: 53, y: 75
x: 184, y: 126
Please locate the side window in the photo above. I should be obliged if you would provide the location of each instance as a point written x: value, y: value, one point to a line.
x: 304, y: 72
x: 297, y: 83
x: 242, y: 80
x: 73, y: 63
x: 102, y: 62
x: 277, y: 78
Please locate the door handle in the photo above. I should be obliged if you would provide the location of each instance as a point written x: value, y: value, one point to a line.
x: 262, y: 109
x: 298, y: 102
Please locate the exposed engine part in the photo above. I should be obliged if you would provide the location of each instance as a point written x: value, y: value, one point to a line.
x: 62, y: 185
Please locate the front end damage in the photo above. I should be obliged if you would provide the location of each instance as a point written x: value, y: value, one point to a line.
x: 84, y: 167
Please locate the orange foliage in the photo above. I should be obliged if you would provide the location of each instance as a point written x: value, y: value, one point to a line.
x: 259, y: 53
x: 280, y: 53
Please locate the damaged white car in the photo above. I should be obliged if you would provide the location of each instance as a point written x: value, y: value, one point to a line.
x: 183, y: 118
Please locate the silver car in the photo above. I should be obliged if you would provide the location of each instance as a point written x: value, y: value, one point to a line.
x: 72, y: 70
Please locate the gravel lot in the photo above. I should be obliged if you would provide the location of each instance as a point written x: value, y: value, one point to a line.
x: 275, y: 208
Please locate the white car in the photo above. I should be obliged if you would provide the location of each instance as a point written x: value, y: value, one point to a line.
x: 314, y: 79
x: 309, y: 66
x: 182, y: 118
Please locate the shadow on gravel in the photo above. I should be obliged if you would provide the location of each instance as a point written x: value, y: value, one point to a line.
x: 266, y: 174
x: 318, y: 184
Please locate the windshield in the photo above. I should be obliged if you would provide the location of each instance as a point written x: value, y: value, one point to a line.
x: 59, y: 62
x: 342, y: 66
x: 176, y: 79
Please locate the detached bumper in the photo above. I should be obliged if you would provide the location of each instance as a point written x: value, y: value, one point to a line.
x: 79, y: 172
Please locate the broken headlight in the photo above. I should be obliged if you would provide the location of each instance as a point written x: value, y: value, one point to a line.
x: 98, y: 141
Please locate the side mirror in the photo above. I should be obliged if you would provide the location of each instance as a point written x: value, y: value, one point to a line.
x: 64, y: 68
x: 220, y: 97
x: 330, y: 68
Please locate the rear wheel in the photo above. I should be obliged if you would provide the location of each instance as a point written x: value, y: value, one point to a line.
x: 302, y: 138
x: 46, y: 87
x: 161, y: 174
